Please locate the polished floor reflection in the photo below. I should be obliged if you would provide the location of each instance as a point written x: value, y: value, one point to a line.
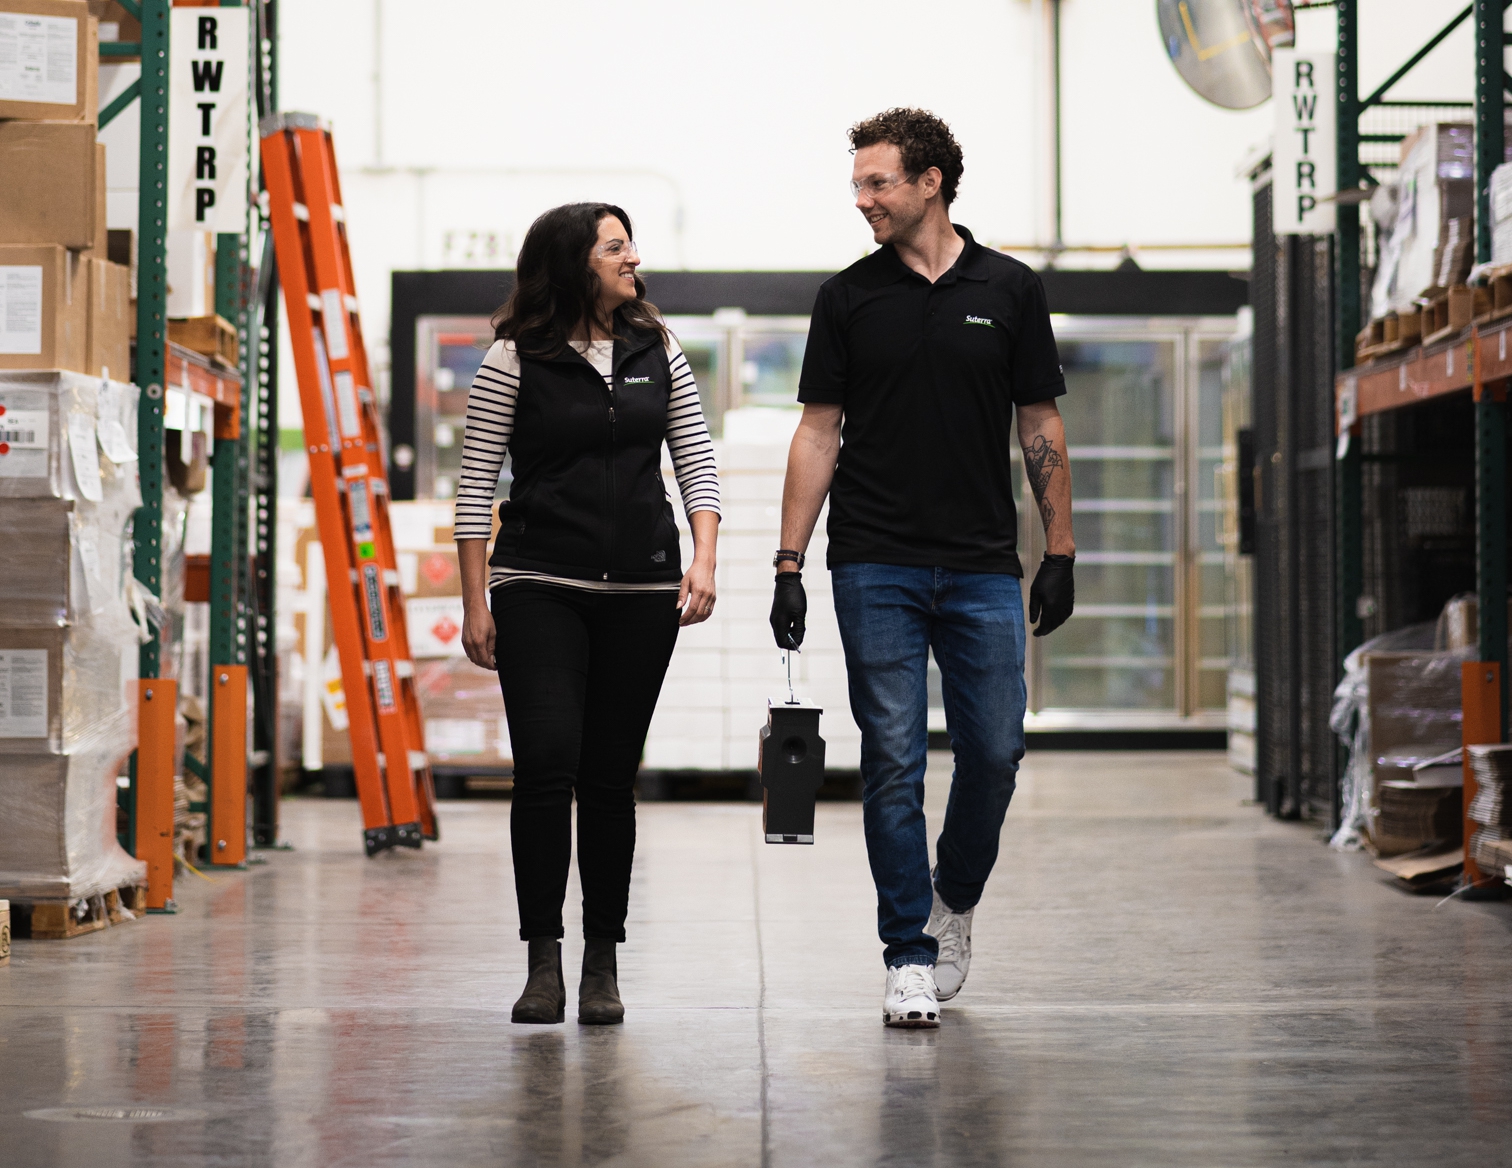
x: 1162, y: 977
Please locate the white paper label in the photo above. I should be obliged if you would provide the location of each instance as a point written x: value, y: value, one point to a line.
x: 208, y: 131
x: 111, y: 429
x: 23, y: 693
x: 86, y: 456
x: 333, y: 309
x: 21, y: 309
x: 435, y: 626
x: 87, y: 543
x: 39, y: 58
x: 23, y: 430
x: 456, y: 735
x: 346, y: 407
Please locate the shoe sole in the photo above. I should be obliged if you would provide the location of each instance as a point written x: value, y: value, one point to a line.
x: 560, y: 1018
x: 942, y: 996
x: 915, y: 1020
x: 601, y: 1021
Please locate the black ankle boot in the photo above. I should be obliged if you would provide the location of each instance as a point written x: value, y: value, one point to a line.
x: 545, y: 996
x: 598, y: 994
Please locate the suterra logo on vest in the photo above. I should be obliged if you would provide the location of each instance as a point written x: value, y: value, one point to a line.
x: 979, y: 320
x: 636, y: 381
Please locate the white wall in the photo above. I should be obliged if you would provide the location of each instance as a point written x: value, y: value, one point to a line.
x: 721, y: 127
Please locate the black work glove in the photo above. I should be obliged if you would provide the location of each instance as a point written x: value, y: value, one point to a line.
x: 789, y: 607
x: 1053, y: 594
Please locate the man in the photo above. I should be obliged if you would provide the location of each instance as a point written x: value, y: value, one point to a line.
x: 918, y: 358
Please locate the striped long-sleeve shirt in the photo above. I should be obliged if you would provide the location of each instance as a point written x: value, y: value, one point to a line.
x: 490, y: 425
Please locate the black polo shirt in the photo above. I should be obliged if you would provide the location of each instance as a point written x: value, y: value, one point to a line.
x: 929, y: 375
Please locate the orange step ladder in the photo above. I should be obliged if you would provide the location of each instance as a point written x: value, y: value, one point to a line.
x: 349, y: 483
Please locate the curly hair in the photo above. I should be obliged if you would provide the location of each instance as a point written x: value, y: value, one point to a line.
x: 923, y: 140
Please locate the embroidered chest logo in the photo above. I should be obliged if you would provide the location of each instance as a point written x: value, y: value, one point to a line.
x: 636, y: 381
x: 659, y: 557
x: 979, y: 320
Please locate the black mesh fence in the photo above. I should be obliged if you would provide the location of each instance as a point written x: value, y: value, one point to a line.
x: 1295, y: 670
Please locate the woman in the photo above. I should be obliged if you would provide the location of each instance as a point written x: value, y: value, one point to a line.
x: 582, y: 386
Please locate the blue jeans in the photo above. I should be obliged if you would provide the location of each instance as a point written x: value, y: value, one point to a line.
x: 889, y: 618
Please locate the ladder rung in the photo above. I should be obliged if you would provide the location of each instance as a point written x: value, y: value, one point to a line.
x: 419, y: 760
x: 404, y: 668
x: 382, y: 762
x: 367, y: 669
x: 301, y: 212
x: 354, y: 575
x: 312, y: 300
x: 338, y: 212
x: 391, y: 577
x: 365, y: 395
x: 351, y: 303
x: 379, y: 487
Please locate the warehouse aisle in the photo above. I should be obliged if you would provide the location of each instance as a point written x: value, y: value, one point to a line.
x: 1162, y: 976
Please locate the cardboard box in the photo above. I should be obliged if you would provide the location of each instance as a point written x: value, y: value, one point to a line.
x: 191, y: 274
x: 54, y: 188
x: 44, y: 308
x: 101, y: 244
x: 108, y: 333
x: 116, y: 24
x: 54, y: 73
x: 211, y: 336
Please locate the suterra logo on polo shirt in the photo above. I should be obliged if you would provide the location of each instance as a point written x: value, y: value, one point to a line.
x: 636, y: 381
x: 979, y: 320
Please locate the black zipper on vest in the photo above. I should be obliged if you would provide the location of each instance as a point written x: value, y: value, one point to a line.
x: 609, y: 556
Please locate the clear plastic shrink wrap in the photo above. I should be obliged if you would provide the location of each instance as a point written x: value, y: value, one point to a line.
x: 1398, y: 705
x: 68, y: 640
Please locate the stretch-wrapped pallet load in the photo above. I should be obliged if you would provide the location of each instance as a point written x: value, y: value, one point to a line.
x: 1501, y: 214
x: 1491, y: 808
x: 68, y: 637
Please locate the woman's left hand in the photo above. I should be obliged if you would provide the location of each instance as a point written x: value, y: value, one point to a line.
x: 696, y: 596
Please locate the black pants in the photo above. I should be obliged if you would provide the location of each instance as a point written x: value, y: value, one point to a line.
x: 580, y: 672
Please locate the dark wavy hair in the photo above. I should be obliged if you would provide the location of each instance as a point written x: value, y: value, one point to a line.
x: 556, y: 292
x: 923, y: 140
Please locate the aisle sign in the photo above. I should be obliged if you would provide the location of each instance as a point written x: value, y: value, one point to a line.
x: 1304, y: 158
x: 208, y: 133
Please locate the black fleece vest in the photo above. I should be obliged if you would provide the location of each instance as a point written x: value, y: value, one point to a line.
x: 588, y: 501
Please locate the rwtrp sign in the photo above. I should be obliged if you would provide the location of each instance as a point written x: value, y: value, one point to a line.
x: 208, y: 132
x: 1303, y: 86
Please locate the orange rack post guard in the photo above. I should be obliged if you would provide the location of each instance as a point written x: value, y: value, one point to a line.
x: 349, y: 482
x: 157, y: 702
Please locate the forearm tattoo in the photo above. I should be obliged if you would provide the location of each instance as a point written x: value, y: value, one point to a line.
x: 1042, y: 459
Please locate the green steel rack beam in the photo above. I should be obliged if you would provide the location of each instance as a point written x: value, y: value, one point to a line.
x: 1490, y: 415
x: 152, y: 306
x: 1349, y: 527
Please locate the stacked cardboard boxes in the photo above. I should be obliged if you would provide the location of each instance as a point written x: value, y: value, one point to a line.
x: 68, y: 641
x: 63, y: 304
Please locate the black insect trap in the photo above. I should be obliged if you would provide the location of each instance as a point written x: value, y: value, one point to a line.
x: 791, y: 765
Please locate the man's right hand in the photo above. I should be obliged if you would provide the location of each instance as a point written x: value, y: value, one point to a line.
x: 789, y: 607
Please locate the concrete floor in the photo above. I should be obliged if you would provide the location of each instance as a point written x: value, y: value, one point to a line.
x: 1163, y: 976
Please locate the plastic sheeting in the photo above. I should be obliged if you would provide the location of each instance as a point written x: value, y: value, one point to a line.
x: 68, y: 643
x: 58, y: 813
x: 1423, y: 709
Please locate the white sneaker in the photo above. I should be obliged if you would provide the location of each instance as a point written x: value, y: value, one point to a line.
x: 953, y: 931
x: 910, y: 998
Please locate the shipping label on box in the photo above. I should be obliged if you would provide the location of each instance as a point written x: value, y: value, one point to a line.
x: 43, y: 308
x: 39, y: 58
x: 49, y: 61
x: 23, y: 693
x: 21, y: 309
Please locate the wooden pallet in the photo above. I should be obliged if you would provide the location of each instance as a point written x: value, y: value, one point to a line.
x: 1392, y: 333
x: 209, y: 336
x: 1449, y: 312
x: 60, y: 920
x: 1498, y: 296
x: 4, y: 932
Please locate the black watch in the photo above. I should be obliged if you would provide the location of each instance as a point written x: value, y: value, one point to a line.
x: 785, y: 554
